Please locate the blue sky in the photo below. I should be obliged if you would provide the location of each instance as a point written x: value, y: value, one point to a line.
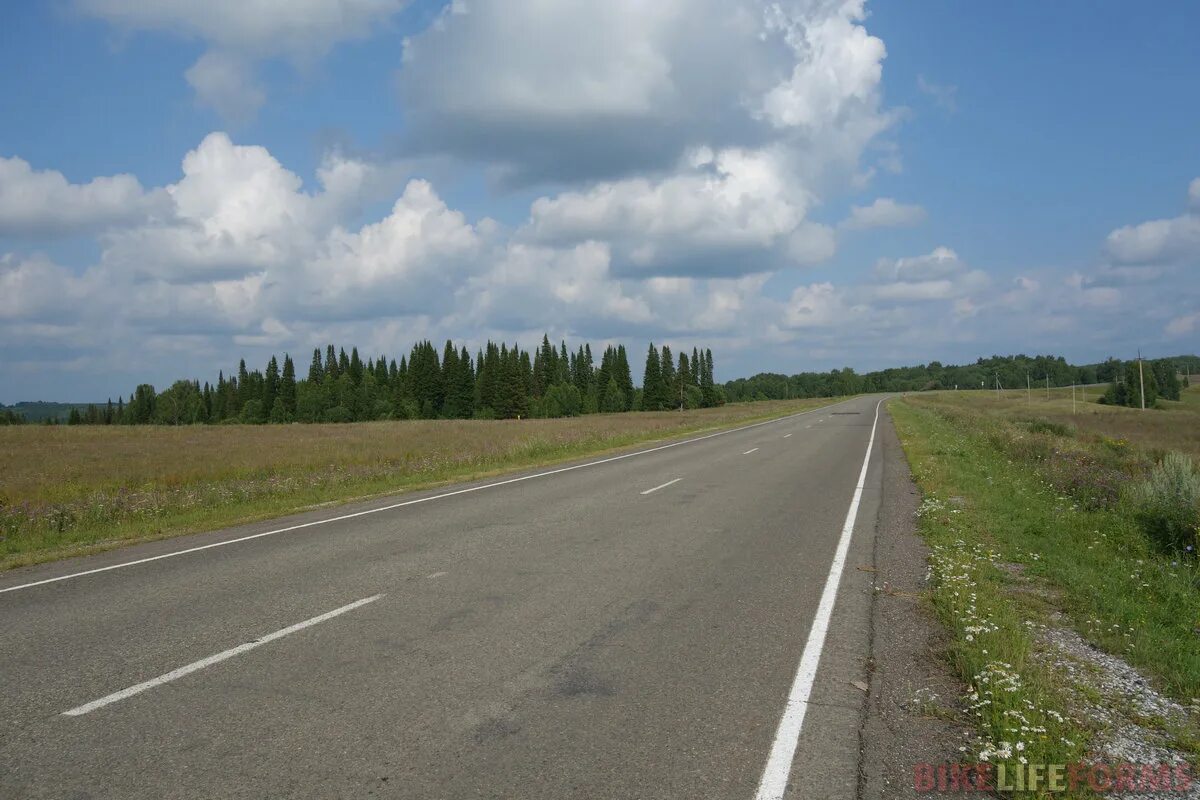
x: 802, y: 185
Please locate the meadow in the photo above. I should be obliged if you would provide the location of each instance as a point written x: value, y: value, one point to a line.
x: 1174, y: 425
x: 67, y: 490
x: 1038, y: 535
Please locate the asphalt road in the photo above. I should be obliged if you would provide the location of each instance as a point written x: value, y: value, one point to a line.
x: 568, y: 635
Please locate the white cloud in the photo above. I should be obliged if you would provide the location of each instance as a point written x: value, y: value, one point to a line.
x: 227, y: 84
x: 240, y: 32
x: 811, y: 243
x: 1162, y: 240
x: 237, y: 211
x: 718, y: 214
x: 409, y: 261
x: 35, y: 289
x: 817, y: 305
x: 43, y: 202
x: 628, y: 86
x: 838, y: 65
x: 884, y: 212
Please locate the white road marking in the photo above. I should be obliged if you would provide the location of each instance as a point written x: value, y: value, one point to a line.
x: 663, y: 486
x: 751, y: 450
x: 404, y: 503
x: 175, y: 674
x: 437, y: 575
x: 786, y: 435
x: 774, y: 779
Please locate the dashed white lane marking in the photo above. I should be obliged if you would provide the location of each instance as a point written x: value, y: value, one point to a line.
x: 436, y: 575
x: 662, y: 486
x: 415, y: 501
x: 751, y: 450
x: 779, y: 765
x: 195, y: 666
x: 786, y: 435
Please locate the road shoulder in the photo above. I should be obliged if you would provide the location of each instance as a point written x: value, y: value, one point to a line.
x: 910, y: 714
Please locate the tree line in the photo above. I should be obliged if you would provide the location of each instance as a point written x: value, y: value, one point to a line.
x: 1132, y: 387
x: 1010, y: 372
x: 498, y: 382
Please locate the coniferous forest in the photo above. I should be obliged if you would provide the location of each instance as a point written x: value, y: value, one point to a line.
x: 498, y: 382
x: 502, y: 382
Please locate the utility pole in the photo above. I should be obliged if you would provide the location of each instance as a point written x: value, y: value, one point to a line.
x: 1072, y: 398
x: 1047, y: 385
x: 1141, y: 379
x: 1028, y: 390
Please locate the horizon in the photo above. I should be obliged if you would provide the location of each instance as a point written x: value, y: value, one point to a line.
x: 635, y: 365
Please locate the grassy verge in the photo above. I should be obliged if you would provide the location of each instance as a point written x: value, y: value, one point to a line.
x: 74, y: 490
x: 1027, y: 528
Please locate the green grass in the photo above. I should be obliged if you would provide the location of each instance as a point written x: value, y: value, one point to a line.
x: 68, y: 490
x: 1011, y: 548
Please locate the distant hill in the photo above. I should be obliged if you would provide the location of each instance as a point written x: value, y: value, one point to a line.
x: 40, y: 411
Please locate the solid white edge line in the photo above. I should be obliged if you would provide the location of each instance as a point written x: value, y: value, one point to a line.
x: 393, y: 506
x: 663, y: 486
x: 195, y: 666
x: 751, y: 450
x: 787, y: 736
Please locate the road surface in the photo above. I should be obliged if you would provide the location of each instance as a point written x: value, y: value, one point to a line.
x: 642, y: 627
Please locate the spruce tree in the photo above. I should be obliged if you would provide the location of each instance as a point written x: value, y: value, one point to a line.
x: 652, y: 388
x: 450, y: 406
x: 356, y: 367
x: 287, y: 387
x: 270, y: 385
x: 243, y: 379
x: 623, y: 375
x: 670, y: 395
x: 613, y: 400
x: 315, y: 371
x: 331, y: 363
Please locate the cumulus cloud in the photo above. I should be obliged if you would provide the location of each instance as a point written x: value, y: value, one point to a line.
x: 239, y: 33
x: 884, y: 212
x: 43, y: 202
x: 1162, y: 240
x: 237, y: 211
x: 627, y: 86
x: 717, y: 216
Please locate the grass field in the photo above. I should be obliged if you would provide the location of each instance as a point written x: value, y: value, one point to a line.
x: 1172, y: 426
x: 1024, y: 509
x: 66, y: 490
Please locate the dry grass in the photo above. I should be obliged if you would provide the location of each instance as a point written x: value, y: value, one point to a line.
x: 1173, y: 426
x: 65, y: 490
